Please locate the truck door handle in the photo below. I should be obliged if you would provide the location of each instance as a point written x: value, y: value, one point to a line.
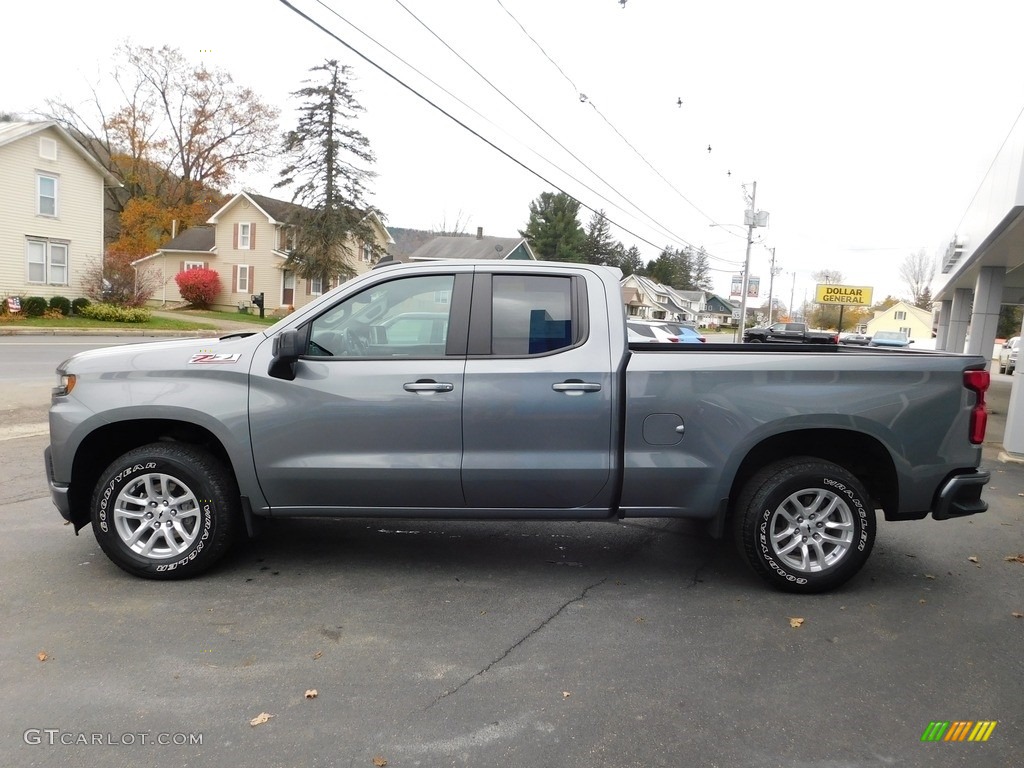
x: 576, y: 387
x: 428, y: 385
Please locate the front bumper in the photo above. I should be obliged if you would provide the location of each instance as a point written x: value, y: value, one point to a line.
x: 58, y: 491
x: 960, y: 495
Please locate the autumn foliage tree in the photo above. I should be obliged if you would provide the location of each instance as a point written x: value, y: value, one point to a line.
x: 178, y: 133
x: 199, y: 287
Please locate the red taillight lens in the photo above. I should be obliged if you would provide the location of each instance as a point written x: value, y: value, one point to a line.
x: 977, y: 382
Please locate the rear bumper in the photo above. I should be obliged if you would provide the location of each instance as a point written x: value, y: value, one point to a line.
x: 960, y: 495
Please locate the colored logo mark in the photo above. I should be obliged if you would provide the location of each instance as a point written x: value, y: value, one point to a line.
x: 959, y: 730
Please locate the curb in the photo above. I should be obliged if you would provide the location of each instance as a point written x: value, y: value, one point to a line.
x: 209, y: 332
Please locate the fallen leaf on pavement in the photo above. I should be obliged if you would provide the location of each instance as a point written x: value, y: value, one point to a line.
x: 1017, y: 615
x: 260, y: 719
x: 566, y: 694
x: 312, y: 693
x: 42, y: 656
x: 795, y: 623
x: 973, y: 559
x: 922, y: 601
x: 1014, y: 558
x: 379, y: 761
x: 928, y: 576
x: 317, y: 655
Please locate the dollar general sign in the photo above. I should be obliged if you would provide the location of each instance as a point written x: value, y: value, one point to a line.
x: 858, y: 295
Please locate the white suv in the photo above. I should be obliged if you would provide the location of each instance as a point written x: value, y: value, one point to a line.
x: 1008, y: 355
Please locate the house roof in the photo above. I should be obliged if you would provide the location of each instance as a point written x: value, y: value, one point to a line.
x: 200, y: 239
x: 467, y: 247
x: 11, y: 132
x: 406, y: 241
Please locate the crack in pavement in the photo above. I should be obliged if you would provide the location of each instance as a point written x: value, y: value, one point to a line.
x: 516, y: 644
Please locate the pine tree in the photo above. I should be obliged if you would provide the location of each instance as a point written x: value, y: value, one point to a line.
x: 325, y: 154
x: 600, y: 247
x: 553, y: 231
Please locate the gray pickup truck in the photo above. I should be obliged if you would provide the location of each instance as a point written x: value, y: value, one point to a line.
x: 789, y: 333
x: 496, y: 391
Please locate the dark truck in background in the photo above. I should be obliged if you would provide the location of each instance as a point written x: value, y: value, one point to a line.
x: 507, y: 390
x: 791, y: 333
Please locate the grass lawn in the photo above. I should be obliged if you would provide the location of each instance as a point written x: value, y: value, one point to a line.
x: 154, y: 324
x: 234, y: 317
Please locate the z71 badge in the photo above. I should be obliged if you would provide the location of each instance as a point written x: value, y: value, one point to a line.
x: 209, y: 358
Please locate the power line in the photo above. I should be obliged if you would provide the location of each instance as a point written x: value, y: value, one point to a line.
x: 602, y: 116
x: 447, y: 114
x: 665, y: 230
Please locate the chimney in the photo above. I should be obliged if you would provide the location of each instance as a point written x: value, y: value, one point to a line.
x: 479, y: 233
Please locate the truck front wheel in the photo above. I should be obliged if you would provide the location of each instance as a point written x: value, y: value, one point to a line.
x: 804, y: 525
x: 165, y: 511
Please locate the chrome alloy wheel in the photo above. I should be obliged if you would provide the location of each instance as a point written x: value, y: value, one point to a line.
x: 157, y: 516
x: 811, y: 530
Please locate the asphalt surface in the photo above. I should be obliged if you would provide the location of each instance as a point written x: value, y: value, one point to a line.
x: 506, y: 644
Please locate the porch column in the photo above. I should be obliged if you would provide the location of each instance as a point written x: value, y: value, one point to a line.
x: 988, y: 297
x: 1013, y: 437
x: 959, y: 320
x: 945, y: 310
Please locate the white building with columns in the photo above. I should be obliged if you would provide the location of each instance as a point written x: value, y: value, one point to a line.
x: 983, y: 269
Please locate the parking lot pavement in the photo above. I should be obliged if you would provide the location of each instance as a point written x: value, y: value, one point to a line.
x: 506, y: 644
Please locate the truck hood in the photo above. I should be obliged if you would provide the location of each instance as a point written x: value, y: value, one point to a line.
x: 165, y: 354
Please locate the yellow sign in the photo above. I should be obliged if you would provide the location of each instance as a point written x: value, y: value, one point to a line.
x: 859, y: 295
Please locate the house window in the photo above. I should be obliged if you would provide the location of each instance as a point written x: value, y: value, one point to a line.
x: 367, y: 253
x: 900, y: 315
x: 193, y: 265
x: 316, y: 286
x: 442, y: 297
x: 47, y: 188
x: 244, y: 236
x: 242, y: 279
x: 905, y: 330
x: 47, y: 148
x: 47, y: 262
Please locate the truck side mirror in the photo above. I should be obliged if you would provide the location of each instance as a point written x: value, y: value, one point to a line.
x: 286, y: 351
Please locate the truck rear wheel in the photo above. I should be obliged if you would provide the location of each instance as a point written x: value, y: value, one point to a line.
x: 804, y: 525
x: 165, y: 511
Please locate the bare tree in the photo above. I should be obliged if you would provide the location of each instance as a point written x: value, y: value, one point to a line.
x: 918, y: 271
x: 176, y: 132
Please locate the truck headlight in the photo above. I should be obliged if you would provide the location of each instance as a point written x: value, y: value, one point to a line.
x: 65, y: 385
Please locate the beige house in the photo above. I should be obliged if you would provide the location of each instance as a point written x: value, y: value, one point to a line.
x: 247, y: 242
x: 914, y: 321
x: 51, y: 211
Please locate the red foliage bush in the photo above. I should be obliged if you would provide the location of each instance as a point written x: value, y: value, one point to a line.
x: 198, y: 287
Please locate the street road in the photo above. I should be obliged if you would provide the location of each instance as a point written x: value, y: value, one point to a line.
x: 503, y: 644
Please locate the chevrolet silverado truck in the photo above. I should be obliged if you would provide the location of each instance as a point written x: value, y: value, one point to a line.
x: 789, y: 333
x: 501, y: 390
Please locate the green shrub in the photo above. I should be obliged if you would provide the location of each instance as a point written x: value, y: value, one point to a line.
x: 79, y: 304
x: 114, y: 314
x: 62, y: 304
x: 33, y: 306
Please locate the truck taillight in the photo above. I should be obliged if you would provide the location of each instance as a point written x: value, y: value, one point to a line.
x: 977, y: 382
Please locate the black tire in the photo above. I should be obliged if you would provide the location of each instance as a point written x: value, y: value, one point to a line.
x: 755, y: 340
x: 1002, y: 369
x: 804, y: 524
x: 166, y: 511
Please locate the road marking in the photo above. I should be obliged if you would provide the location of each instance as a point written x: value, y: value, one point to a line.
x: 24, y: 430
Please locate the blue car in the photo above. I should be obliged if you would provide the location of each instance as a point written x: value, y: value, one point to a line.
x: 890, y: 339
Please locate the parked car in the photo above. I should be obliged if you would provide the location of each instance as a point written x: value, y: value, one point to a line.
x: 685, y: 332
x: 531, y: 407
x: 890, y: 339
x: 861, y: 339
x: 789, y: 333
x: 664, y: 332
x: 1008, y: 355
x: 650, y: 333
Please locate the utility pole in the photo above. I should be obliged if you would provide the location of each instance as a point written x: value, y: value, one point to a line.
x: 771, y: 288
x: 754, y: 218
x: 792, y: 290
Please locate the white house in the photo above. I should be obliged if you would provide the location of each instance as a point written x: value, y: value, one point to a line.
x: 51, y: 199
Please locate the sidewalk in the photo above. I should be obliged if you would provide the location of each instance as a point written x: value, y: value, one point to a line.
x: 220, y: 328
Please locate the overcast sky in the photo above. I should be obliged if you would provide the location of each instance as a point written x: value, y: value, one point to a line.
x: 867, y: 126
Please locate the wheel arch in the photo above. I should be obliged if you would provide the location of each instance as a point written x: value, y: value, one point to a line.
x: 104, y: 444
x: 860, y: 454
